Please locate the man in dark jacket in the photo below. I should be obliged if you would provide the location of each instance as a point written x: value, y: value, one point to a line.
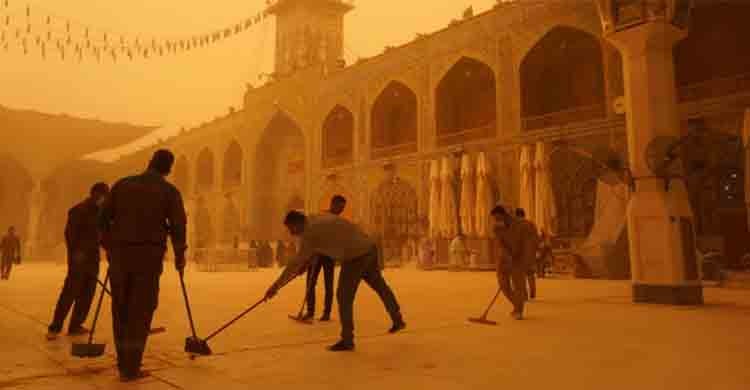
x: 531, y: 271
x: 338, y: 204
x: 82, y: 239
x: 10, y: 252
x: 137, y: 217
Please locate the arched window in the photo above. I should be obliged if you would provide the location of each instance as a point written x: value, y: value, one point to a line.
x: 394, y: 121
x: 338, y: 137
x: 233, y: 165
x: 466, y: 103
x: 562, y: 79
x: 205, y: 171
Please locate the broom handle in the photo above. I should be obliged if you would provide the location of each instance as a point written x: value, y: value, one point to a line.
x: 484, y: 316
x: 98, y: 308
x: 244, y: 313
x: 307, y: 291
x: 187, y: 305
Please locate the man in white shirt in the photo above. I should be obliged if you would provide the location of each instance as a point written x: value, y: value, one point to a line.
x: 337, y: 238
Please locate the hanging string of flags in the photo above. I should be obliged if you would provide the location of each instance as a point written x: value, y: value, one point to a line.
x: 35, y: 31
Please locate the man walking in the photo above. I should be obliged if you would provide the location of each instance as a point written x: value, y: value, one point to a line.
x: 338, y: 204
x: 82, y: 240
x: 531, y: 271
x: 10, y: 252
x: 138, y: 216
x: 329, y: 235
x: 518, y: 243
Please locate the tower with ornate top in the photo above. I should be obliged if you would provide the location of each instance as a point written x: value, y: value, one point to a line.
x: 308, y: 33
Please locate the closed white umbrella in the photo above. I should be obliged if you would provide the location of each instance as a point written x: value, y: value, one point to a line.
x: 545, y: 210
x: 484, y: 197
x: 434, y: 212
x: 448, y: 206
x: 527, y: 188
x: 468, y: 196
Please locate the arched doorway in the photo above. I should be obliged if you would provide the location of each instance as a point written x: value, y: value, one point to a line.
x: 232, y: 224
x: 15, y: 196
x: 204, y: 231
x: 466, y: 103
x: 338, y: 137
x: 279, y: 176
x: 181, y: 175
x: 204, y: 177
x: 233, y: 166
x: 394, y: 217
x: 714, y: 59
x: 562, y: 79
x: 574, y: 181
x: 394, y: 121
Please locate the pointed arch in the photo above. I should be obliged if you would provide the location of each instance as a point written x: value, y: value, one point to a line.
x: 562, y: 79
x: 393, y: 121
x: 466, y: 102
x: 338, y: 137
x: 233, y: 160
x: 204, y: 177
x: 181, y: 175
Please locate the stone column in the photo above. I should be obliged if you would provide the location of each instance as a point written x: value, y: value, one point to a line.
x: 35, y: 208
x: 746, y: 147
x: 660, y: 220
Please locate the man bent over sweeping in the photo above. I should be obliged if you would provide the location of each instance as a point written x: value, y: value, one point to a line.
x: 337, y: 238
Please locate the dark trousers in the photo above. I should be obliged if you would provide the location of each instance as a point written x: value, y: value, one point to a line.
x: 77, y: 292
x: 135, y: 296
x: 5, y: 266
x: 513, y: 285
x: 327, y: 264
x: 352, y: 271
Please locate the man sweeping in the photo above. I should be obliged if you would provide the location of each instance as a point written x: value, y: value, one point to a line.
x: 139, y: 214
x: 82, y: 241
x: 518, y: 244
x: 337, y: 238
x: 338, y: 204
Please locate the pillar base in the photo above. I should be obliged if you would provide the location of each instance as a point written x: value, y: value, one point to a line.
x: 668, y: 294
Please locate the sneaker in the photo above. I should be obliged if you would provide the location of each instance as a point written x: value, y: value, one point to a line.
x: 517, y: 315
x: 79, y: 331
x: 308, y: 317
x: 342, y: 346
x: 132, y: 378
x: 325, y: 318
x: 397, y: 326
x: 51, y: 336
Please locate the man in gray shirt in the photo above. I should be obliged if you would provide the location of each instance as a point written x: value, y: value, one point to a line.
x: 337, y: 238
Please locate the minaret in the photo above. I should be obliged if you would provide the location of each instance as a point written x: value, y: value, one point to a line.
x: 308, y: 33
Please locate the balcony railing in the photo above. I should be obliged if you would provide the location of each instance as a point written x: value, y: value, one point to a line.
x: 714, y: 88
x: 559, y: 118
x: 463, y: 136
x: 394, y: 150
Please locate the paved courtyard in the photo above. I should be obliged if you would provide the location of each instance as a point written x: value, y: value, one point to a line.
x: 580, y: 334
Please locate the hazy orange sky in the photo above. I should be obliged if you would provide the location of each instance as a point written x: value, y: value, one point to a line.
x: 188, y: 88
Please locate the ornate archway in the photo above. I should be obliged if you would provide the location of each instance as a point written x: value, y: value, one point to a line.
x: 562, y: 79
x: 204, y: 177
x: 204, y: 231
x: 232, y: 224
x: 233, y: 166
x: 394, y: 121
x: 466, y: 103
x: 338, y: 137
x: 574, y: 180
x: 394, y: 216
x: 279, y: 175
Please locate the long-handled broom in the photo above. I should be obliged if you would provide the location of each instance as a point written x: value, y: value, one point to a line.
x: 483, y: 319
x: 300, y: 317
x: 89, y: 349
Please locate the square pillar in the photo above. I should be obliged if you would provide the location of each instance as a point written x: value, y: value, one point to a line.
x: 660, y: 220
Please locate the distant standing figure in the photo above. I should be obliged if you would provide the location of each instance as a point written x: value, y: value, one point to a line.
x: 531, y: 272
x: 459, y: 253
x: 82, y: 240
x: 426, y: 253
x: 518, y: 242
x: 10, y: 252
x: 280, y: 253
